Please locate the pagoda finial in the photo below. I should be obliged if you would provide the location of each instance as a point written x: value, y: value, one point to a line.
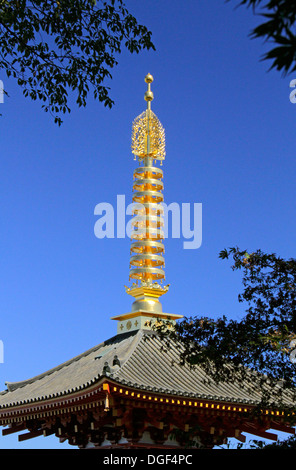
x: 147, y: 249
x: 148, y: 137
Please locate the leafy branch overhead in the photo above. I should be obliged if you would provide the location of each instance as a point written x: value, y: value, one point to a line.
x: 279, y: 29
x: 53, y: 47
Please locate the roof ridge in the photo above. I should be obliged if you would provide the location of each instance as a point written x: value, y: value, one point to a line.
x: 132, y: 347
x: 141, y: 334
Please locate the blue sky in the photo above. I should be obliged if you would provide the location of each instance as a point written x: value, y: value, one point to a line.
x: 230, y: 145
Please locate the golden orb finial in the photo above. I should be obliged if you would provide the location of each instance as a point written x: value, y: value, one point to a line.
x: 148, y: 95
x: 148, y: 78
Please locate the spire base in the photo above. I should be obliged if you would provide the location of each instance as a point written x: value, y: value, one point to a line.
x: 146, y: 309
x: 146, y: 297
x: 143, y: 320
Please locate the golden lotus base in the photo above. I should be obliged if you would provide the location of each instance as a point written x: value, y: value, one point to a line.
x: 143, y: 320
x: 146, y: 297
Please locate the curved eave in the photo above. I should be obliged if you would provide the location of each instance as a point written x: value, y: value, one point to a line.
x: 45, y: 399
x: 141, y: 368
x: 123, y: 386
x: 96, y: 390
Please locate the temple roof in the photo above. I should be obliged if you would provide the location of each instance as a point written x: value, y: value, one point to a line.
x: 134, y: 359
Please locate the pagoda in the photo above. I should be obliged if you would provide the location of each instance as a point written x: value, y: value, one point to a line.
x: 129, y: 391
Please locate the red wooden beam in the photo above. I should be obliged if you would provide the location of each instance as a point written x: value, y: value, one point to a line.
x: 30, y: 435
x: 240, y: 437
x: 282, y: 427
x: 260, y: 433
x: 13, y: 429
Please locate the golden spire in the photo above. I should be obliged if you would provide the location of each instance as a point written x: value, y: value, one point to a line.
x: 147, y: 249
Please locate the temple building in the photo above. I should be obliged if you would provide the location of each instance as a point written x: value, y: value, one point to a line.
x: 129, y: 391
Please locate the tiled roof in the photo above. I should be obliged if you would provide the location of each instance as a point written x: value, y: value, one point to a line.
x: 134, y: 359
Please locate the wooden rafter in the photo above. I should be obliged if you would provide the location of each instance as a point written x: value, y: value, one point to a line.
x: 12, y: 429
x: 30, y: 435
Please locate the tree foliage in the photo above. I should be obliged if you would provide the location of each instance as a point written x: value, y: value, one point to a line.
x: 260, y: 342
x: 278, y: 29
x: 53, y: 47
